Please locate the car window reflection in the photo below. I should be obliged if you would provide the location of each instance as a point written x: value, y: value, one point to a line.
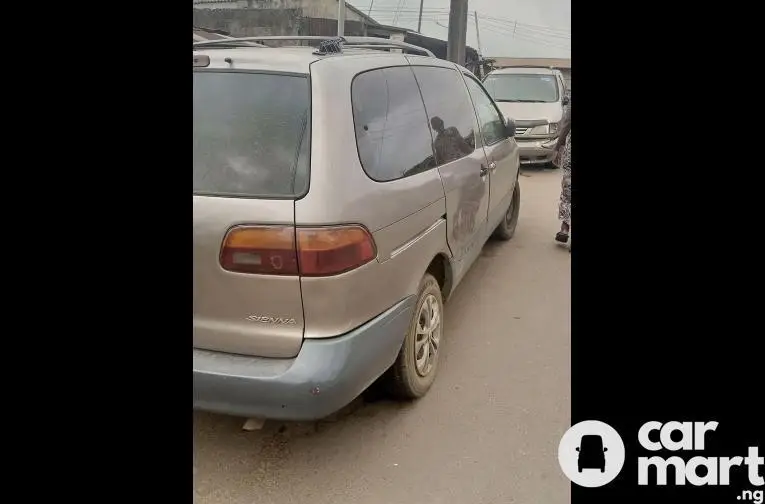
x: 449, y: 145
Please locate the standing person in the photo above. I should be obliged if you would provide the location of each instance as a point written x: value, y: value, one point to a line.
x: 563, y: 159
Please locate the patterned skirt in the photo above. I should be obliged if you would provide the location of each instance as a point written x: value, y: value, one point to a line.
x: 564, y: 206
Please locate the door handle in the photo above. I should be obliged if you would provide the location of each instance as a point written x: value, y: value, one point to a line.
x: 484, y: 171
x: 492, y: 166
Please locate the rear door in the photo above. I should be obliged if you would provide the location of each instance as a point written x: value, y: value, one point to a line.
x: 502, y: 152
x: 460, y: 159
x: 251, y: 155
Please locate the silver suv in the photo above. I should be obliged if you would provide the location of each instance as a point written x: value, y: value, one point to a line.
x: 340, y: 195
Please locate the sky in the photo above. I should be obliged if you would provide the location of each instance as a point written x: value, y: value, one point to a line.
x: 510, y: 28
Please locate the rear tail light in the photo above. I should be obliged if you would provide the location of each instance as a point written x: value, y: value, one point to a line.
x: 260, y: 250
x: 321, y: 251
x: 329, y: 251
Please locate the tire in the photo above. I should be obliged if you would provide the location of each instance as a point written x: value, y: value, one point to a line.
x: 408, y: 378
x: 506, y: 229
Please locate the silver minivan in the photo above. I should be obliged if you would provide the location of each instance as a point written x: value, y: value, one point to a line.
x: 534, y: 99
x: 340, y: 195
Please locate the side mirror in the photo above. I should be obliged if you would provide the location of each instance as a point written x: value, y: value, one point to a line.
x: 565, y: 101
x: 509, y: 128
x: 605, y: 449
x: 577, y: 448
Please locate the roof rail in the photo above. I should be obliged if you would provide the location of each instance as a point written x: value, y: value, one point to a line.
x: 350, y: 42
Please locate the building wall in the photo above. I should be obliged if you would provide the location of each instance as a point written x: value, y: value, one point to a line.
x: 216, y: 4
x: 266, y: 22
x: 326, y: 9
x: 249, y: 22
x: 308, y: 8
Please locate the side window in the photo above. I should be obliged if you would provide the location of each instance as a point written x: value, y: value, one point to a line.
x: 491, y: 121
x: 392, y: 133
x: 450, y: 112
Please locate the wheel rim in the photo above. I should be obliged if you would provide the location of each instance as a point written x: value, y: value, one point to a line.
x: 428, y: 336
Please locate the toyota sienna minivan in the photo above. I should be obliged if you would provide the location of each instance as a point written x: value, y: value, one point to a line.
x: 341, y: 193
x: 534, y: 99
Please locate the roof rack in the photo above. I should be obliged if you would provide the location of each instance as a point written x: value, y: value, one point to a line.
x: 349, y: 42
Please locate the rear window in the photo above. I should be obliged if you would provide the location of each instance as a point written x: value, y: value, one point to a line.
x: 251, y: 134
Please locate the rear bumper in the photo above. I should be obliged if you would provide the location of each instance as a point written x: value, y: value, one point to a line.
x: 536, y: 151
x: 326, y: 375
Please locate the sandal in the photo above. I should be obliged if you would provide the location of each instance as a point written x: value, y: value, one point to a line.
x: 561, y: 237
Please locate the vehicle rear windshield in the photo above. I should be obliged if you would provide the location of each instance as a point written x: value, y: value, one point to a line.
x: 533, y: 88
x: 251, y: 134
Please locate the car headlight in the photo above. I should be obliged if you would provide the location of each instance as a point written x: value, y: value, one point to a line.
x: 545, y: 129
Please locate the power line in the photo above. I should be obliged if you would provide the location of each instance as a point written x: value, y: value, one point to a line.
x: 526, y: 38
x: 506, y: 33
x: 526, y: 32
x: 401, y: 4
x: 520, y: 27
x: 442, y: 10
x: 535, y: 26
x: 520, y: 30
x: 502, y: 29
x: 553, y: 32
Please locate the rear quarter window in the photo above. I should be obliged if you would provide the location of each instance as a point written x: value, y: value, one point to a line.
x: 251, y: 134
x: 392, y: 134
x: 450, y: 111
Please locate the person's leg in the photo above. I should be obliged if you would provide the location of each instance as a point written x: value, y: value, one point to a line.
x: 564, y: 206
x: 564, y: 211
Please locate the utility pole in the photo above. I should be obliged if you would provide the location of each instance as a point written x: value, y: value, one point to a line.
x: 340, y: 18
x: 458, y: 15
x: 478, y: 34
x: 419, y: 19
x: 479, y: 70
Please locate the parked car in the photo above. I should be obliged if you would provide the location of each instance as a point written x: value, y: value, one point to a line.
x: 340, y: 196
x: 534, y: 98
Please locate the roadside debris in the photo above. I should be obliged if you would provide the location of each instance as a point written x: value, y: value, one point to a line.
x: 253, y: 424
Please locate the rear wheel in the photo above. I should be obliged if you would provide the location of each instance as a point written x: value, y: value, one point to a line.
x: 415, y: 368
x: 506, y: 229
